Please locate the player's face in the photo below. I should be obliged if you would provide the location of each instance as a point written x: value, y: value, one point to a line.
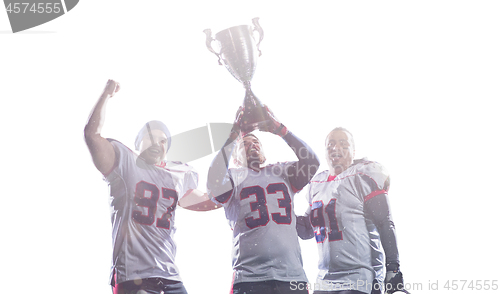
x: 154, y: 147
x: 251, y: 149
x: 339, y: 151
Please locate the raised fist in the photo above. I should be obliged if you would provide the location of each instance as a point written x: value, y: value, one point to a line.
x: 111, y: 88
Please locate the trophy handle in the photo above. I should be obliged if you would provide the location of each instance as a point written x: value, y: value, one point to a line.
x: 259, y: 29
x: 209, y: 40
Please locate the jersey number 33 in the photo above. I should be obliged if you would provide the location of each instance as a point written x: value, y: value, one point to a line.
x: 282, y: 198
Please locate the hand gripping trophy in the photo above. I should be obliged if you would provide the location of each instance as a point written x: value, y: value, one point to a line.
x: 239, y: 51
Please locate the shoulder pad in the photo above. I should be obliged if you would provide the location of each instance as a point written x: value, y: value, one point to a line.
x: 322, y: 176
x: 375, y: 171
x: 178, y: 166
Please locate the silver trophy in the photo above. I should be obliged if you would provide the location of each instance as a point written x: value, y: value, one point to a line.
x: 239, y: 51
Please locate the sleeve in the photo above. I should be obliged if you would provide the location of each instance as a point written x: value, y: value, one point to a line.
x: 190, y: 182
x: 377, y: 209
x: 378, y: 256
x: 374, y: 182
x: 116, y: 177
x: 123, y: 156
x: 302, y: 171
x: 184, y: 176
x: 304, y: 227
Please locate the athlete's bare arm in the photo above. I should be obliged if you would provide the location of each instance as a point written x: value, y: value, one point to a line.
x: 198, y: 201
x: 219, y: 183
x: 101, y: 149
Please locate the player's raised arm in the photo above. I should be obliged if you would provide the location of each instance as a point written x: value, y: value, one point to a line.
x: 101, y: 149
x: 220, y: 184
x: 302, y: 171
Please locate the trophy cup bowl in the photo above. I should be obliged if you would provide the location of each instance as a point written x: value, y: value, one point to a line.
x: 239, y: 51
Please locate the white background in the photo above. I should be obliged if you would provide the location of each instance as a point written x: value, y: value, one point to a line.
x: 417, y: 83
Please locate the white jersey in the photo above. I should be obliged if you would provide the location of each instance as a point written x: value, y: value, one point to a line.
x: 260, y: 213
x: 348, y: 244
x: 143, y: 202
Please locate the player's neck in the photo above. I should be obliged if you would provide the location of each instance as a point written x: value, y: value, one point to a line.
x: 255, y: 165
x: 336, y: 171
